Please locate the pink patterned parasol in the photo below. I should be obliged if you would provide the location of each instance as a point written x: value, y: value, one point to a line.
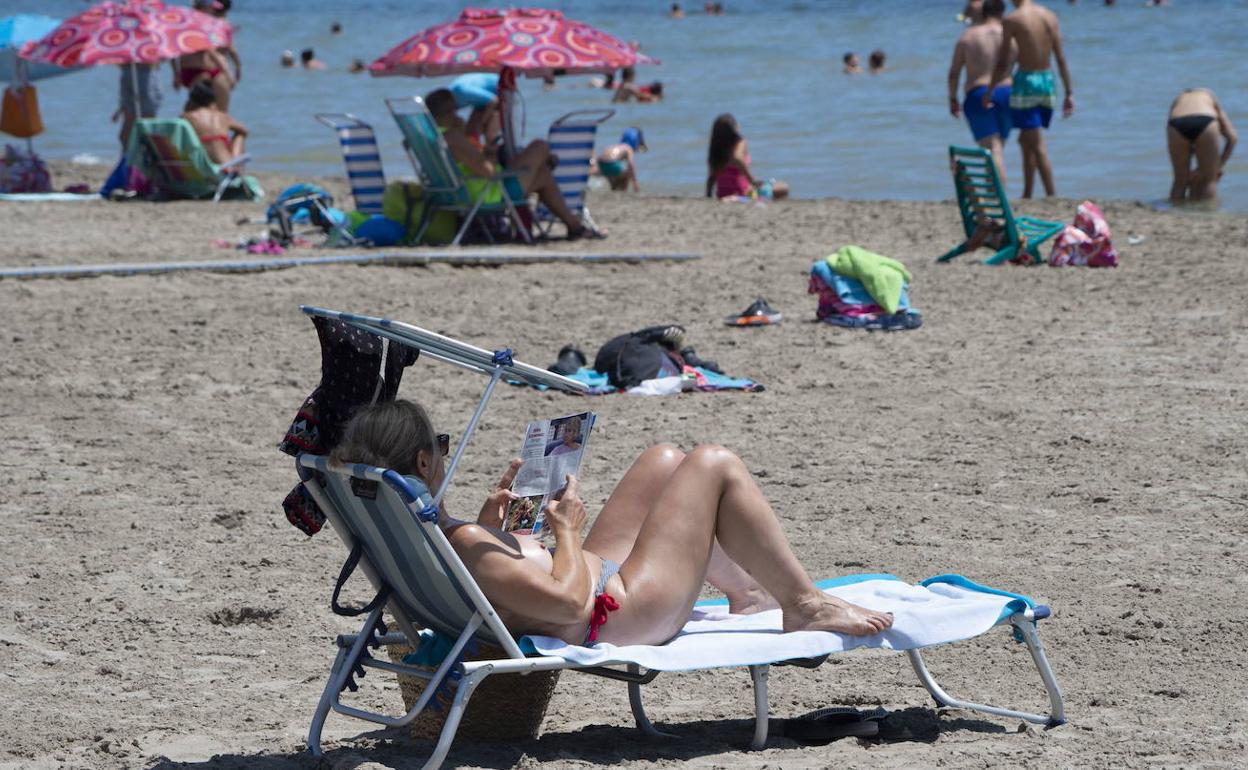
x: 534, y: 41
x: 142, y: 31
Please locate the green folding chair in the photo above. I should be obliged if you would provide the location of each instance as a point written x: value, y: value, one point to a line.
x: 170, y: 155
x: 446, y: 188
x: 981, y: 197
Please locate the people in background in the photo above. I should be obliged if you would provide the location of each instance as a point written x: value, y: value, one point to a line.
x: 307, y: 58
x: 140, y: 94
x: 357, y: 66
x: 676, y: 12
x: 532, y: 165
x: 335, y: 28
x: 728, y: 166
x: 1197, y: 121
x: 629, y: 91
x: 876, y: 61
x: 976, y: 52
x: 214, y: 64
x: 618, y: 163
x: 850, y: 64
x: 288, y: 59
x: 222, y: 136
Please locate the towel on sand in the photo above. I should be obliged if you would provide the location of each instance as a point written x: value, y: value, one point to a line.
x: 882, y: 276
x: 942, y: 609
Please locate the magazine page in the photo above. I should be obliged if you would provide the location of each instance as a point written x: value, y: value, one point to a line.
x: 552, y: 449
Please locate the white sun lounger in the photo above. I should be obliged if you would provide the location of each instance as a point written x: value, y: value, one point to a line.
x: 390, y: 522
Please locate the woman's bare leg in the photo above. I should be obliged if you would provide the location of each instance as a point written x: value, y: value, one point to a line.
x: 615, y: 530
x: 1181, y: 163
x: 710, y: 496
x: 1208, y: 158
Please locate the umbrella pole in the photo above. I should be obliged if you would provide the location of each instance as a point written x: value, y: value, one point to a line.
x: 134, y: 89
x: 506, y: 90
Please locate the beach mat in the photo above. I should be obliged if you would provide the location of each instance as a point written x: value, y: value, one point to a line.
x: 414, y: 258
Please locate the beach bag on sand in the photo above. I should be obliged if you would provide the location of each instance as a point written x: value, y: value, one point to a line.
x: 20, y: 114
x: 356, y: 368
x: 630, y: 358
x: 1085, y: 243
x: 404, y: 202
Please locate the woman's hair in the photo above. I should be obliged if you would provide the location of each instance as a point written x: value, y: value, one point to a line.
x: 387, y: 435
x: 848, y: 57
x: 877, y: 58
x: 724, y: 139
x: 200, y: 95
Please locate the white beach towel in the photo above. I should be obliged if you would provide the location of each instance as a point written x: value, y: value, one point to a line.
x: 942, y: 609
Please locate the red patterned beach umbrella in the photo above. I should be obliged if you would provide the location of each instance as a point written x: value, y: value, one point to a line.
x: 533, y: 41
x: 137, y: 31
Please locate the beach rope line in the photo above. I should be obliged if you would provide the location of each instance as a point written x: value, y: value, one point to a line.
x: 419, y: 259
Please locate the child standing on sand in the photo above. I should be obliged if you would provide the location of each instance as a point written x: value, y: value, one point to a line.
x: 1034, y: 30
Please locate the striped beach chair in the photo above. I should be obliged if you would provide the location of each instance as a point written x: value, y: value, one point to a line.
x: 361, y: 157
x: 571, y: 139
x: 390, y: 523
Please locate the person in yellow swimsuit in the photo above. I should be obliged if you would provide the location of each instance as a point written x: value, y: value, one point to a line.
x: 532, y: 166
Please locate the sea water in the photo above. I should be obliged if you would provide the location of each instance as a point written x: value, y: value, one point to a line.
x: 776, y: 66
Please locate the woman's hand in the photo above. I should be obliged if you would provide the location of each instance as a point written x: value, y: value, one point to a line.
x: 567, y: 515
x: 494, y: 510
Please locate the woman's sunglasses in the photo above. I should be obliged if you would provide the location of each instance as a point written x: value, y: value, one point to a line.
x: 444, y: 443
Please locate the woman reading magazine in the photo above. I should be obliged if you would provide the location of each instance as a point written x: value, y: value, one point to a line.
x: 674, y: 521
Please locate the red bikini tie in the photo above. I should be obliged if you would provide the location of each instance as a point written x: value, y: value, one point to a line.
x: 603, y: 605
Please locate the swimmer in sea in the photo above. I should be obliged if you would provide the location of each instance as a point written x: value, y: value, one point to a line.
x: 850, y: 62
x: 1196, y: 122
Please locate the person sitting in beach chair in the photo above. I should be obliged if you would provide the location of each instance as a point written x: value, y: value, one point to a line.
x: 223, y: 137
x: 673, y: 521
x: 532, y: 165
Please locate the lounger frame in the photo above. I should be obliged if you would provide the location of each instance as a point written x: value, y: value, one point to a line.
x: 360, y: 157
x: 981, y: 194
x: 403, y: 502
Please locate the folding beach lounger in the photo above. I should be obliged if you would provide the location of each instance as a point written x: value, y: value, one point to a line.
x: 390, y: 523
x: 981, y: 195
x: 445, y: 187
x: 169, y: 153
x: 361, y: 157
x: 571, y: 139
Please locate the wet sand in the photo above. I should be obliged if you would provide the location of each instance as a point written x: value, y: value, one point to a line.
x: 1077, y: 435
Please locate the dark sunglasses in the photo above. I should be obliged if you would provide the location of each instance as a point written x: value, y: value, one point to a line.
x: 444, y: 443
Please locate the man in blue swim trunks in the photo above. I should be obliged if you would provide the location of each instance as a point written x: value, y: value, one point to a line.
x: 1035, y: 31
x: 976, y: 52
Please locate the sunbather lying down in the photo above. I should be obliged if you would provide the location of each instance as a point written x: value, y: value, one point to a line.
x: 674, y: 521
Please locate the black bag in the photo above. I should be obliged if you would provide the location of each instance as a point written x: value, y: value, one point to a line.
x: 642, y: 355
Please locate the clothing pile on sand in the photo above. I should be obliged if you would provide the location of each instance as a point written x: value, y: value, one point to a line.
x: 1086, y: 243
x: 859, y: 289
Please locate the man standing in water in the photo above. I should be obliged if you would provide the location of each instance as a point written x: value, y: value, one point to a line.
x: 976, y: 52
x: 1034, y: 30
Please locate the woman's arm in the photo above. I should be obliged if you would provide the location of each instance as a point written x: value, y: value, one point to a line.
x: 739, y: 155
x: 235, y: 127
x: 1228, y: 135
x: 464, y: 152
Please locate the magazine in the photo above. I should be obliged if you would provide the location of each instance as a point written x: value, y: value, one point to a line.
x: 552, y: 449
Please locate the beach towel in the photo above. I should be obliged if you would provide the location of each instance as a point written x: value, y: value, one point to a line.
x: 170, y: 153
x: 882, y: 276
x: 845, y: 302
x: 943, y: 609
x: 1085, y: 243
x: 692, y: 378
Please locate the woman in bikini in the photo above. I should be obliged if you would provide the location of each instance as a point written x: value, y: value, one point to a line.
x: 674, y: 521
x: 1196, y: 122
x: 222, y: 136
x: 210, y: 65
x: 728, y: 162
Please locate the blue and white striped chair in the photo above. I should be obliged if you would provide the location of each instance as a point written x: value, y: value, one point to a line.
x: 362, y: 159
x: 571, y: 139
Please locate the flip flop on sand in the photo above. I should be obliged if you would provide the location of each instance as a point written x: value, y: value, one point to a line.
x: 826, y: 725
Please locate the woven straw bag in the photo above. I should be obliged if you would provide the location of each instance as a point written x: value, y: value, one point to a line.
x: 504, y: 707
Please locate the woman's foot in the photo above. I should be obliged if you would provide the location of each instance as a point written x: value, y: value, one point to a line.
x: 822, y: 612
x: 751, y: 601
x: 581, y: 231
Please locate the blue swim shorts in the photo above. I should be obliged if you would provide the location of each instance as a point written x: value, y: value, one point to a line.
x: 994, y: 120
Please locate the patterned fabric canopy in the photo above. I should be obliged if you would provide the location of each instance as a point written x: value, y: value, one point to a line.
x: 534, y: 41
x: 145, y: 31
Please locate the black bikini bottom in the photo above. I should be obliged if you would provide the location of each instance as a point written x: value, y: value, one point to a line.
x: 1191, y: 126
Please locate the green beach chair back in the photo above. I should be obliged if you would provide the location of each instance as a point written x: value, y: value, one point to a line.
x: 446, y: 188
x: 170, y: 155
x: 981, y: 194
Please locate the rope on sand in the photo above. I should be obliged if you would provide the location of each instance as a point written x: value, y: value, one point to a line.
x: 456, y: 257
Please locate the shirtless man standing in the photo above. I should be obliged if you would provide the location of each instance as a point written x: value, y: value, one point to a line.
x: 976, y: 51
x: 1034, y: 30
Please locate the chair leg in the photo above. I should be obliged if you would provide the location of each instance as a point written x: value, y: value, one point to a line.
x: 1004, y: 255
x: 762, y: 713
x: 471, y: 215
x: 1057, y: 709
x: 639, y: 710
x: 516, y: 220
x: 322, y: 706
x: 462, y: 693
x: 955, y: 251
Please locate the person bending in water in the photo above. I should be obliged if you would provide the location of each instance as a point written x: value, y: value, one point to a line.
x: 222, y: 136
x: 1035, y: 31
x: 618, y: 163
x: 674, y: 521
x: 1196, y: 121
x: 976, y: 52
x: 728, y: 162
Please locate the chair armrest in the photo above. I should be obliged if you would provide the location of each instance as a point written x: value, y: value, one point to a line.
x: 240, y: 160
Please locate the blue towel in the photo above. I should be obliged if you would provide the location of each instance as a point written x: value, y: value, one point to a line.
x: 599, y: 384
x: 850, y: 290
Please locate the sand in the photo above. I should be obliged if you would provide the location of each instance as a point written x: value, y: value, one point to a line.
x: 1074, y: 434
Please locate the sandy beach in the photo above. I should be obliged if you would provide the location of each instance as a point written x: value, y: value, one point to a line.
x: 1073, y: 434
